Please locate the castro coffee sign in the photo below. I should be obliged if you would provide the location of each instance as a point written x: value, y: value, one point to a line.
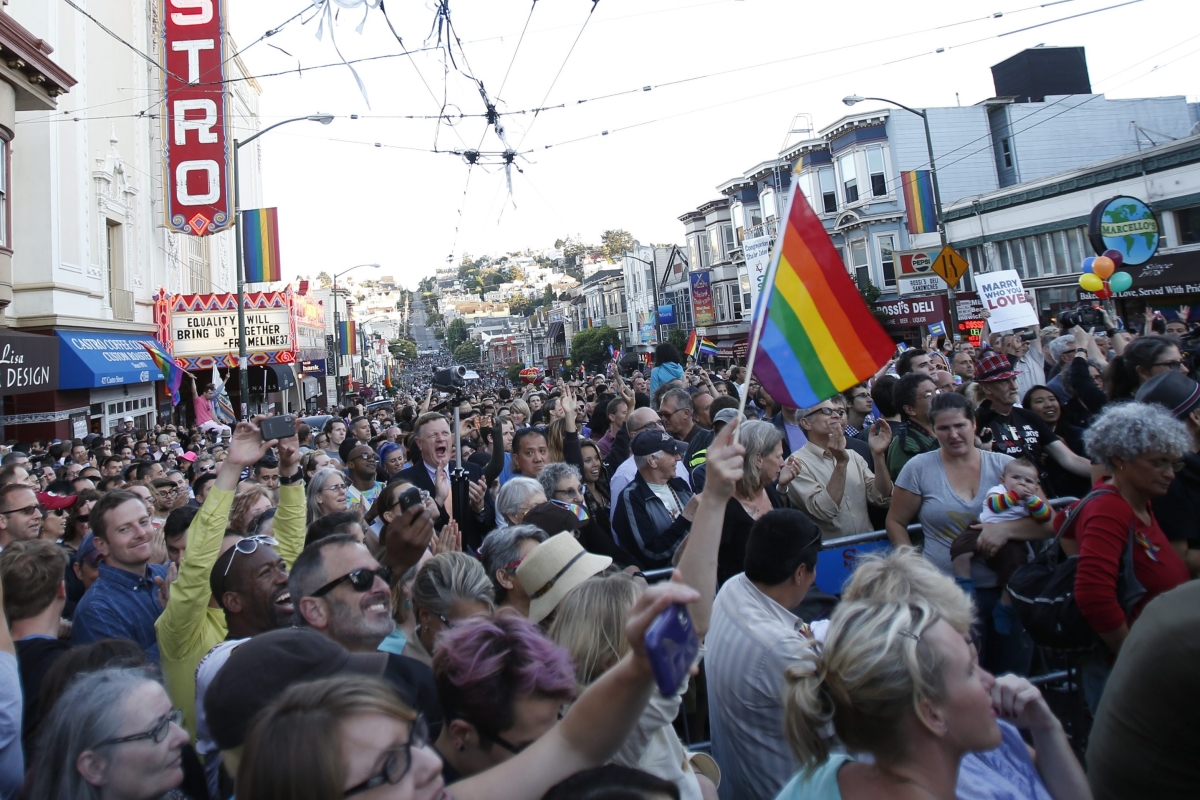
x: 194, y: 133
x: 28, y: 363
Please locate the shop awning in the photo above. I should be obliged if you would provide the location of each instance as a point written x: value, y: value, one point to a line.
x: 28, y: 363
x: 88, y: 359
x: 280, y: 378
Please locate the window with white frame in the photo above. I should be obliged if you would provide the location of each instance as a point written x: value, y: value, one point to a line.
x: 887, y: 261
x: 875, y: 169
x: 694, y: 248
x: 4, y: 193
x: 849, y: 177
x: 828, y: 190
x: 735, y: 301
x: 860, y: 266
x: 730, y: 241
x: 722, y: 306
x: 706, y: 254
x: 766, y: 199
x: 715, y: 244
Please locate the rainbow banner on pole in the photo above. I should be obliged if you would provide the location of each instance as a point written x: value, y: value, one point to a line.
x: 708, y: 348
x: 260, y: 245
x: 348, y: 334
x: 813, y: 335
x: 171, y: 371
x: 692, y: 346
x: 917, y: 186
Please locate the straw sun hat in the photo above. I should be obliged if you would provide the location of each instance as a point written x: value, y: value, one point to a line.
x: 553, y: 568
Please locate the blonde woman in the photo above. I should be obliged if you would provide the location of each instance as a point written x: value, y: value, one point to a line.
x: 449, y: 587
x: 519, y: 413
x: 248, y: 504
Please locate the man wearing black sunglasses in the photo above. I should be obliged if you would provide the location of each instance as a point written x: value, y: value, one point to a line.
x: 339, y: 589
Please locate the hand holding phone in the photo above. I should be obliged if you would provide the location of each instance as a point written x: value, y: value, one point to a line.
x: 671, y: 648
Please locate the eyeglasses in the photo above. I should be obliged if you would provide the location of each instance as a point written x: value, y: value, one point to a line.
x: 157, y: 734
x: 571, y: 491
x: 247, y: 546
x: 168, y: 492
x: 341, y: 487
x: 368, y: 458
x: 515, y: 749
x: 1175, y: 365
x: 360, y: 580
x: 930, y: 394
x: 668, y: 414
x: 398, y: 762
x: 828, y: 412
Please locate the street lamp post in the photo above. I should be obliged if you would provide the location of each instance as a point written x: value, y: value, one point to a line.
x: 337, y: 330
x: 654, y: 295
x: 243, y: 373
x: 937, y: 194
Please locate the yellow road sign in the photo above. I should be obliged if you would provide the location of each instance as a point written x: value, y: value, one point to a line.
x: 950, y: 265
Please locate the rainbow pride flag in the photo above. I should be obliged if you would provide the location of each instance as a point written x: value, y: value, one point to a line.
x: 172, y: 373
x: 813, y: 335
x: 348, y: 334
x: 917, y: 186
x: 260, y: 245
x: 707, y: 348
x: 692, y: 346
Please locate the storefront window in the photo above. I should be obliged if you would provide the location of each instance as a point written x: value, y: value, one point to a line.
x: 1058, y: 241
x: 1075, y: 247
x: 1187, y: 220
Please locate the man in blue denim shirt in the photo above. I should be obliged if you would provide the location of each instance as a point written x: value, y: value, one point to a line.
x: 130, y: 593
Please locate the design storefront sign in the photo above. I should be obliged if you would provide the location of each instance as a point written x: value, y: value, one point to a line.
x: 704, y: 312
x: 28, y: 363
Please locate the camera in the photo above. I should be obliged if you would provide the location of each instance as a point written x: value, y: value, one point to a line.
x: 450, y: 379
x: 1084, y: 316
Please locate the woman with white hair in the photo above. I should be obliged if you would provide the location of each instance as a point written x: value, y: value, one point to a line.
x: 1139, y: 445
x: 503, y: 551
x: 111, y: 735
x: 326, y: 494
x: 515, y: 498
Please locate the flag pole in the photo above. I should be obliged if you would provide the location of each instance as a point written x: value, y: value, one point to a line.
x: 759, y: 318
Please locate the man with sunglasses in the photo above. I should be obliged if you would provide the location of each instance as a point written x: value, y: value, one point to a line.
x: 194, y: 621
x: 362, y: 466
x: 20, y: 514
x: 340, y: 590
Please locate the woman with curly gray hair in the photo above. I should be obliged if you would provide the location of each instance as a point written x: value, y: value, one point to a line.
x: 1139, y: 445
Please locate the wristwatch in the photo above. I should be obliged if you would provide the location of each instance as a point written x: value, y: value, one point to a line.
x: 297, y: 478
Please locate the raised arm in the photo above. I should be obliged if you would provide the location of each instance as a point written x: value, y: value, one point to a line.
x: 290, y: 515
x: 698, y: 564
x: 597, y: 724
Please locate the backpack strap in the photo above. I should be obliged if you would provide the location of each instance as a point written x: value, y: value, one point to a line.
x: 1073, y: 514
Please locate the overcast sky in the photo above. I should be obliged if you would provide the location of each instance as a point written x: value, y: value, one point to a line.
x: 344, y: 201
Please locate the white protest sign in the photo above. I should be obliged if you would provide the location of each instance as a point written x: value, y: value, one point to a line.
x: 1002, y: 294
x: 758, y: 259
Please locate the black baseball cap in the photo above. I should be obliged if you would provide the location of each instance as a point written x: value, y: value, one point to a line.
x: 652, y: 441
x: 259, y: 671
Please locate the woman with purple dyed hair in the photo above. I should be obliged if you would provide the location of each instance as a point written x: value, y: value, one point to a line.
x: 501, y: 684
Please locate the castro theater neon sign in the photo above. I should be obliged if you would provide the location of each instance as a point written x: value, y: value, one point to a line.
x: 196, y: 162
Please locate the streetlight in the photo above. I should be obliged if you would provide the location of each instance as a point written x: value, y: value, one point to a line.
x: 337, y: 331
x: 654, y: 291
x: 243, y: 365
x: 937, y: 194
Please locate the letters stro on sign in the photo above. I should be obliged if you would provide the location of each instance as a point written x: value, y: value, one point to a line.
x: 197, y: 169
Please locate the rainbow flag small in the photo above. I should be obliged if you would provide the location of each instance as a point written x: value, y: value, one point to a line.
x: 348, y: 334
x: 260, y: 245
x: 813, y: 335
x: 708, y: 348
x: 692, y: 346
x: 172, y: 373
x: 917, y: 186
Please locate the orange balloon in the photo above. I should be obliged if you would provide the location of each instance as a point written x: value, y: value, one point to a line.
x: 1103, y: 267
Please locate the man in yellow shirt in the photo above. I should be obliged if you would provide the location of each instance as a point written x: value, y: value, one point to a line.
x: 192, y: 622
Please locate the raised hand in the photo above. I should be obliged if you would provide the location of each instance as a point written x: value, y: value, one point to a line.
x: 164, y: 585
x: 880, y: 437
x: 837, y: 447
x: 407, y: 536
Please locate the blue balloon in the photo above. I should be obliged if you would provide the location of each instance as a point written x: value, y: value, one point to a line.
x: 1087, y: 263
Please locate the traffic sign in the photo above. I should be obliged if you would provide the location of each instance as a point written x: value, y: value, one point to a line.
x: 950, y: 265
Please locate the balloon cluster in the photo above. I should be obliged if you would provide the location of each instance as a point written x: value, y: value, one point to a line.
x: 1100, y: 276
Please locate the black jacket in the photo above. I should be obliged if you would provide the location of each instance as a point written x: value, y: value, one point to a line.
x: 644, y: 528
x: 475, y: 526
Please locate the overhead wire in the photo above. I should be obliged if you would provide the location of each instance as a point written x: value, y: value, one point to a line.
x: 118, y: 37
x: 561, y: 67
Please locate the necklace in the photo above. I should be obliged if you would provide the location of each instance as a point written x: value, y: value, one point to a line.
x: 902, y: 779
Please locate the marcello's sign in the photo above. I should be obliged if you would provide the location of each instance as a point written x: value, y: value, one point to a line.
x: 1127, y: 225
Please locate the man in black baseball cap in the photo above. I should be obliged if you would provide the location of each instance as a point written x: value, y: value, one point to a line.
x: 654, y: 511
x: 1178, y: 510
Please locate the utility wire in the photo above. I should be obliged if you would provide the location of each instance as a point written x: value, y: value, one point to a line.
x: 116, y: 36
x: 561, y: 67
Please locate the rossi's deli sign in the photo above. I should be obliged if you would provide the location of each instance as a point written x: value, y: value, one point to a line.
x: 28, y: 363
x: 195, y: 136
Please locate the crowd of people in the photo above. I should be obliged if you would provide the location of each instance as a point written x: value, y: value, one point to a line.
x: 382, y: 604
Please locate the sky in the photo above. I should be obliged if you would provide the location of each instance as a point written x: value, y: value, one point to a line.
x: 343, y: 200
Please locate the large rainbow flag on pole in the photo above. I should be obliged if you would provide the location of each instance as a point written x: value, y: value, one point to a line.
x: 348, y: 338
x: 171, y: 371
x: 693, y: 346
x: 812, y: 335
x: 260, y: 245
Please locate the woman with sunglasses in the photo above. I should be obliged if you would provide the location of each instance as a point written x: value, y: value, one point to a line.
x: 326, y: 494
x: 338, y: 738
x: 112, y: 735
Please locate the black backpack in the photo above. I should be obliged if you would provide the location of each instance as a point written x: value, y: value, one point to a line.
x: 1043, y: 591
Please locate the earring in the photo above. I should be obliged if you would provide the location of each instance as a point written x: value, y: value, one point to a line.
x: 462, y: 748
